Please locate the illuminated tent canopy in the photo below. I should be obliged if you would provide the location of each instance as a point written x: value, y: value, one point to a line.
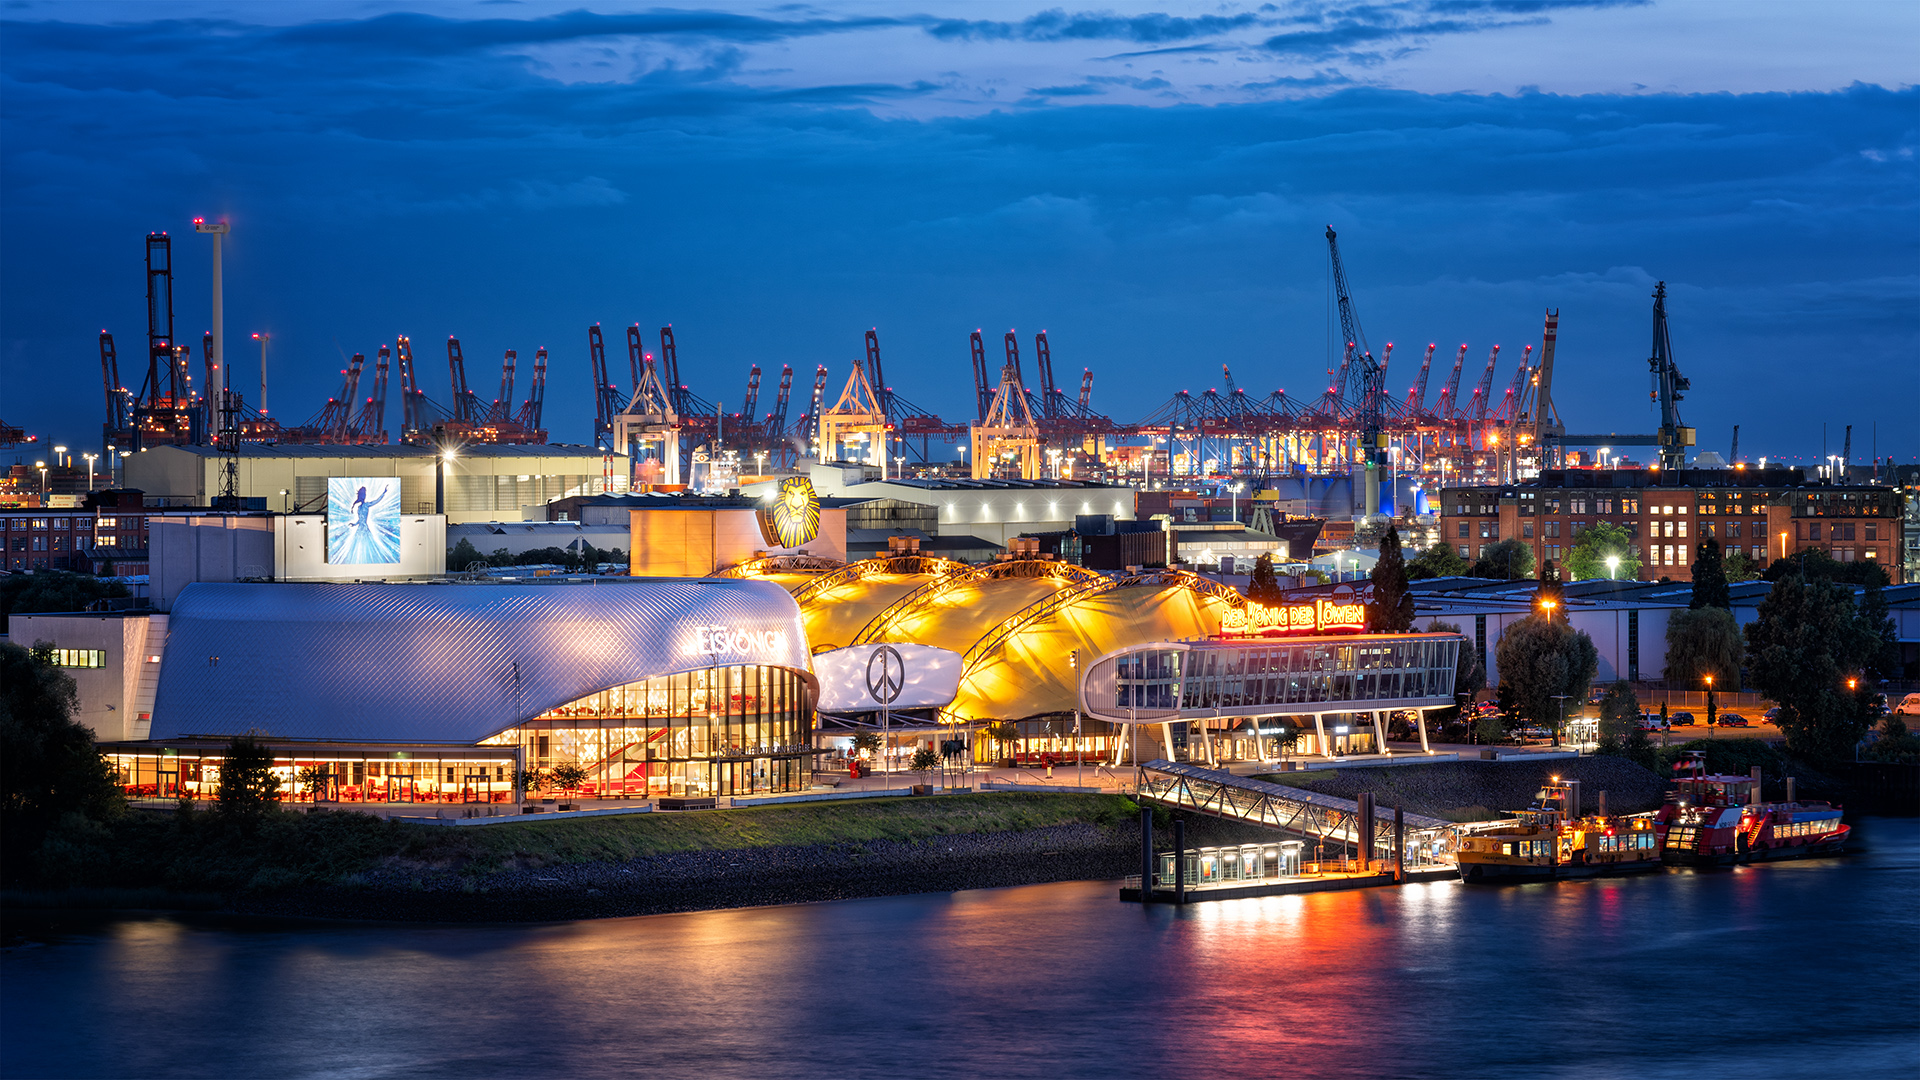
x: 1016, y: 622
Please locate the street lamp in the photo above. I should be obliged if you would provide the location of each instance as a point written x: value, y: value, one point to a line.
x: 1233, y: 503
x: 60, y: 455
x: 440, y: 468
x: 91, y: 458
x: 42, y: 466
x: 1562, y: 699
x: 1613, y: 564
x: 1711, y: 712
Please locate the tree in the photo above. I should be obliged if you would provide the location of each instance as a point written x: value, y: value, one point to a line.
x: 1506, y: 560
x: 1812, y: 563
x: 1440, y: 560
x: 1541, y: 658
x: 1469, y: 674
x: 568, y: 776
x: 529, y: 781
x: 1007, y: 734
x: 1264, y: 586
x: 49, y: 766
x: 1392, y: 609
x: 248, y: 785
x: 1883, y: 658
x: 1709, y: 577
x: 867, y: 742
x: 463, y: 555
x: 1701, y: 642
x: 923, y: 760
x: 1598, y: 542
x: 53, y: 590
x: 1802, y: 648
x: 315, y: 779
x: 1619, y: 714
x: 1286, y: 737
x: 1740, y: 567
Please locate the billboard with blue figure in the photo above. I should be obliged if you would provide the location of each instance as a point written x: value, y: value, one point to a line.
x: 363, y: 520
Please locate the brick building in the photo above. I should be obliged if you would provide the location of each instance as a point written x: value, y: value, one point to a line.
x: 1763, y: 513
x: 107, y: 535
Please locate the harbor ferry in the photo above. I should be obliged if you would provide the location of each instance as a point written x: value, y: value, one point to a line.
x: 1552, y: 840
x: 1721, y: 821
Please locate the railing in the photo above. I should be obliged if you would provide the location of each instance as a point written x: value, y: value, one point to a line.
x: 1295, y: 810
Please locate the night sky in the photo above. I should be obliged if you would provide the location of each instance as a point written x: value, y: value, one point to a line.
x: 1149, y: 184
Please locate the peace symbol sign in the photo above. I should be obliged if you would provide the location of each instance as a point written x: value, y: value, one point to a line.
x: 890, y: 678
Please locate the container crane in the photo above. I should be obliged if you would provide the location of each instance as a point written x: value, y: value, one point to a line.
x: 752, y: 399
x: 1372, y: 376
x: 606, y: 396
x: 982, y: 389
x: 1477, y: 408
x: 370, y: 427
x: 1669, y: 387
x: 1449, y: 407
x: 1417, y: 396
x: 1049, y: 394
x: 777, y: 419
x: 535, y: 405
x: 502, y: 410
x: 466, y: 404
x: 1086, y: 389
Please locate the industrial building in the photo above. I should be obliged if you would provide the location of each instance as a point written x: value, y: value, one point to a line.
x: 479, y: 481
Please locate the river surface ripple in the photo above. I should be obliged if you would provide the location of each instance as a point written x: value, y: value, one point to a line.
x: 1805, y: 969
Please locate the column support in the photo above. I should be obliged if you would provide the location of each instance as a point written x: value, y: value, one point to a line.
x: 1424, y: 747
x: 1380, y: 735
x: 1320, y: 726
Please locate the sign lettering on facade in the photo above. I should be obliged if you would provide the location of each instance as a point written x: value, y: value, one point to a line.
x: 738, y: 641
x: 1323, y: 614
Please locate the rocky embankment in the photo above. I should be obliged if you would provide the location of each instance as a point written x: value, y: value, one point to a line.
x: 701, y: 880
x: 1470, y: 790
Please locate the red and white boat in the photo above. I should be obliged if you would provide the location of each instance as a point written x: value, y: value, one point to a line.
x: 1713, y: 820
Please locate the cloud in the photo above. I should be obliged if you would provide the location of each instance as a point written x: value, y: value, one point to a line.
x: 774, y: 220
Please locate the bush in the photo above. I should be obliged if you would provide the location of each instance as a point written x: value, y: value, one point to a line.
x: 248, y: 786
x: 50, y: 770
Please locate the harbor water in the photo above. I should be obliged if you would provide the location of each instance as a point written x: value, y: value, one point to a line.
x: 1801, y: 969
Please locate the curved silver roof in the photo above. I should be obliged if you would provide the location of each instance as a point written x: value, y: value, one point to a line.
x: 446, y: 663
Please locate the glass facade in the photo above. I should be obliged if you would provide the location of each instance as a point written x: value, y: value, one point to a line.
x: 733, y: 730
x: 1282, y: 675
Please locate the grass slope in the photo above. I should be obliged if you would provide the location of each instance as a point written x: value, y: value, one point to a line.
x: 203, y: 853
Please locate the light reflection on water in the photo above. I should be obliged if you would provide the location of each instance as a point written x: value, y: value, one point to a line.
x: 1803, y: 969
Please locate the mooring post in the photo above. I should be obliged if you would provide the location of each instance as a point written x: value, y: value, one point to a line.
x: 1146, y: 854
x: 1399, y: 843
x: 1179, y: 860
x: 1366, y: 832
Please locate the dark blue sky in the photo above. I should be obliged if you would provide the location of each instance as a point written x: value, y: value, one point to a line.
x: 1148, y: 184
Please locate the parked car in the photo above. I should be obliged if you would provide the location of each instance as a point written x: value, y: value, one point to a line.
x: 1532, y: 731
x: 1485, y: 708
x: 1732, y: 719
x: 1909, y: 706
x: 1595, y: 694
x: 1682, y: 719
x: 1771, y: 716
x: 1650, y: 721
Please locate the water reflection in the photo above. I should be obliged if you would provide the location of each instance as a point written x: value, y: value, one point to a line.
x: 1664, y: 975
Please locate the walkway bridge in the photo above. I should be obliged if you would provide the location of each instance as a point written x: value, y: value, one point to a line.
x: 1307, y: 814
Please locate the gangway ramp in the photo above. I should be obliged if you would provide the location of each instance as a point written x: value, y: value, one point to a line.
x: 1309, y: 814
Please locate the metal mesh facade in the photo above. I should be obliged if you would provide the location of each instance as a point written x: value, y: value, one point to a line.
x: 446, y: 663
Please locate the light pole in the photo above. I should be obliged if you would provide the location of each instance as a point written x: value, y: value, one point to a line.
x: 217, y: 230
x: 263, y: 339
x: 60, y: 455
x: 1604, y: 451
x: 42, y: 466
x: 1710, y: 709
x: 1233, y: 503
x: 1613, y: 565
x: 440, y: 467
x: 91, y: 458
x: 1562, y: 699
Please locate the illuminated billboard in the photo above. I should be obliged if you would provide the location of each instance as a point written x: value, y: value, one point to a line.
x: 363, y: 520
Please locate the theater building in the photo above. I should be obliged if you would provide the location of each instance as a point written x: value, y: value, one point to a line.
x: 1302, y: 666
x: 439, y: 692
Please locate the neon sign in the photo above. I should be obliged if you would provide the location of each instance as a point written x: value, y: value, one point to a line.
x: 1322, y: 614
x: 715, y: 640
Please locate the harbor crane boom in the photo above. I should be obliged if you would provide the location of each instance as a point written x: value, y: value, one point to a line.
x: 1372, y: 379
x: 1449, y: 408
x: 1669, y: 387
x: 1417, y: 398
x: 606, y: 396
x: 982, y: 390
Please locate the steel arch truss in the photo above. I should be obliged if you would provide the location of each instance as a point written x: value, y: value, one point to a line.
x: 898, y: 564
x: 920, y: 598
x: 1295, y: 810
